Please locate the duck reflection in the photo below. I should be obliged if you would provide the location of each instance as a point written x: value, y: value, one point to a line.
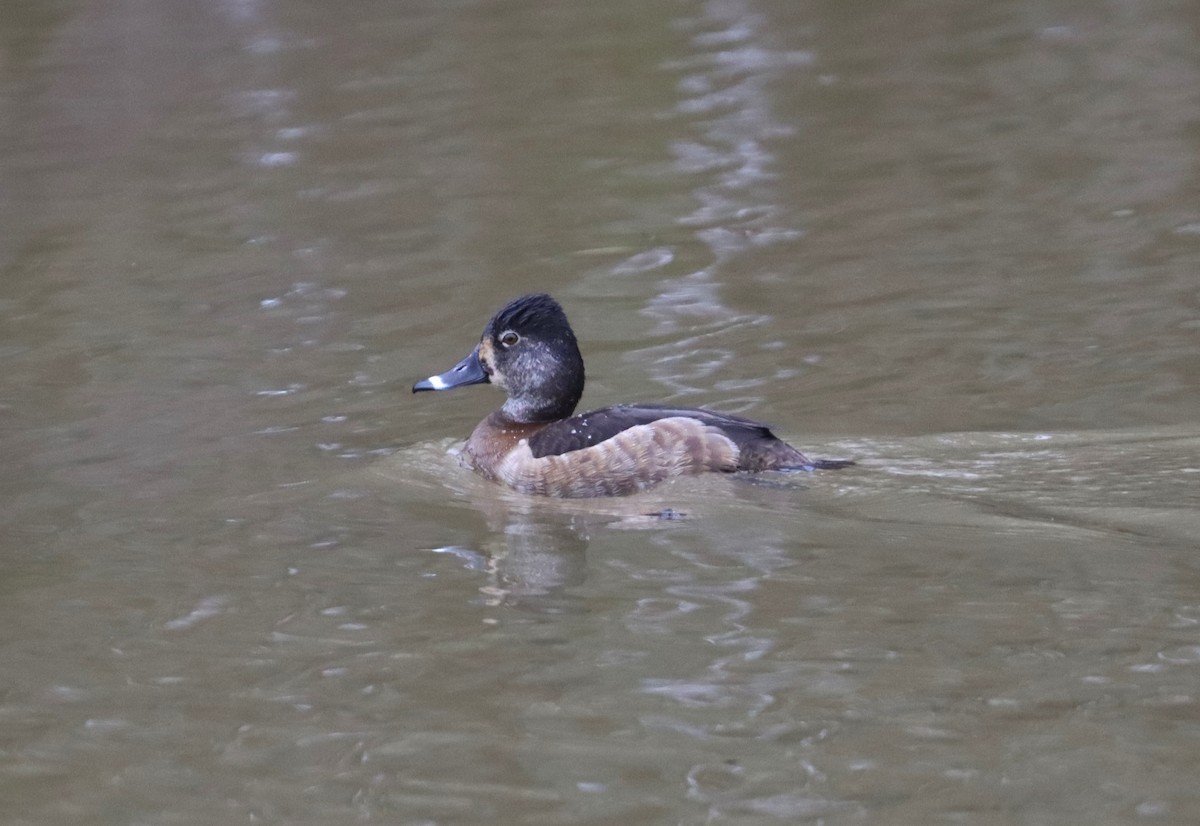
x: 535, y: 551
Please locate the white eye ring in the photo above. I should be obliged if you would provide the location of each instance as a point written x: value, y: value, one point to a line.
x: 508, y: 338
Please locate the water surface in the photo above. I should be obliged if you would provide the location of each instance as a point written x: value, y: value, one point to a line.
x: 246, y: 581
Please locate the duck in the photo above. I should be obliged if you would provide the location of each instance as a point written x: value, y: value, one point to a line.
x: 536, y: 444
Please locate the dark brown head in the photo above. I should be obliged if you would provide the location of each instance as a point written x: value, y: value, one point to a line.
x: 528, y: 350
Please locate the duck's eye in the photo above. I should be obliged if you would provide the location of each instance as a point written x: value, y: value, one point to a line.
x: 508, y: 338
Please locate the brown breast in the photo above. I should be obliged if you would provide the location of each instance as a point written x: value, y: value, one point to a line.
x: 493, y: 439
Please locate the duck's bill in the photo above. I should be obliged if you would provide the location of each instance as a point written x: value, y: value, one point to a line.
x: 468, y: 371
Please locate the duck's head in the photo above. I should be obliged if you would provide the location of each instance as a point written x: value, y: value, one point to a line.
x: 529, y: 351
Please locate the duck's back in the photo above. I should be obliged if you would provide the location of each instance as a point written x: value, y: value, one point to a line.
x: 753, y: 447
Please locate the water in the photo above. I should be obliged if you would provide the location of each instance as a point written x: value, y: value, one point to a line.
x: 245, y: 581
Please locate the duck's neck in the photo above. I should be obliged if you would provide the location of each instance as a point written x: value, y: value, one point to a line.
x: 535, y: 410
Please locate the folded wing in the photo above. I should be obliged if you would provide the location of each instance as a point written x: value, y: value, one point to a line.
x: 757, y: 447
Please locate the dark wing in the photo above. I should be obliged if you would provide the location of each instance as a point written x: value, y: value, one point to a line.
x: 591, y: 428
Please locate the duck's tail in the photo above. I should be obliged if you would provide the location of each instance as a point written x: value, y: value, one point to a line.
x: 831, y: 464
x: 768, y: 452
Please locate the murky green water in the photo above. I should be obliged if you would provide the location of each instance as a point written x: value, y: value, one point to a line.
x: 244, y: 582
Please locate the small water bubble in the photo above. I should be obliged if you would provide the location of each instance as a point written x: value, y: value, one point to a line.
x: 1152, y: 808
x: 277, y: 159
x: 644, y: 261
x: 734, y: 34
x: 105, y: 725
x: 1176, y: 700
x: 934, y: 733
x: 960, y: 774
x: 1056, y: 33
x: 266, y: 45
x: 68, y: 693
x: 205, y: 609
x: 263, y: 100
x: 1181, y: 655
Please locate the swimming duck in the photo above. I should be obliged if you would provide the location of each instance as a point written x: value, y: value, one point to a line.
x: 533, y: 443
